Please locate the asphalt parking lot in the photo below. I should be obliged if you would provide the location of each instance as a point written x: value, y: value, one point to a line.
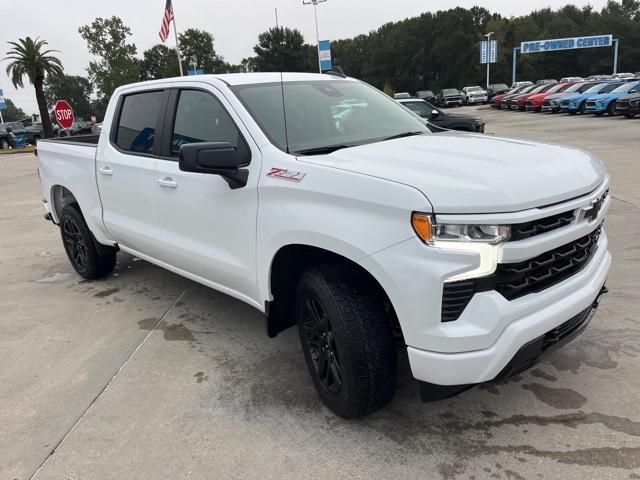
x: 148, y: 375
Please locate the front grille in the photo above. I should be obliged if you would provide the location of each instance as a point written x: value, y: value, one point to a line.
x: 591, y: 103
x: 520, y: 231
x: 514, y: 280
x: 622, y: 104
x: 455, y: 298
x: 564, y: 103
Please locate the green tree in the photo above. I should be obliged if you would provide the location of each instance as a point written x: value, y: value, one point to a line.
x: 74, y: 89
x: 159, y: 61
x: 27, y: 58
x: 197, y: 50
x: 282, y: 49
x: 116, y: 63
x: 12, y: 113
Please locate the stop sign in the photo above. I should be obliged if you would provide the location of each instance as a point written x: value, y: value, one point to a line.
x: 64, y: 114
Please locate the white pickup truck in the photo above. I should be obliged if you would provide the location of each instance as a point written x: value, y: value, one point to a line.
x: 321, y: 202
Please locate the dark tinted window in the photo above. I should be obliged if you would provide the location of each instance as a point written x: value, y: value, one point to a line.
x: 201, y: 118
x: 137, y: 124
x: 421, y: 108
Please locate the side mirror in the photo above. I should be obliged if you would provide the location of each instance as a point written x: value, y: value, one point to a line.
x: 434, y: 114
x: 215, y: 158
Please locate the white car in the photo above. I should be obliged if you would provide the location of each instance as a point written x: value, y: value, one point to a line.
x: 622, y: 76
x: 475, y: 254
x: 473, y: 95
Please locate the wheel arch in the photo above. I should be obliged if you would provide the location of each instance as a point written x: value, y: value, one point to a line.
x: 287, y: 266
x: 60, y: 197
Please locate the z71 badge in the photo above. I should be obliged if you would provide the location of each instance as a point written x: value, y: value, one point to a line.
x: 286, y: 174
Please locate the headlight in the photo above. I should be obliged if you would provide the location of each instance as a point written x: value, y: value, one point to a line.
x: 431, y: 232
x: 483, y: 240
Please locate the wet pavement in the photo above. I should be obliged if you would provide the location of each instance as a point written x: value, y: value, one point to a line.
x: 148, y: 375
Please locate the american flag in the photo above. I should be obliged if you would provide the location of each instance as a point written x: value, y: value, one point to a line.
x: 166, y: 21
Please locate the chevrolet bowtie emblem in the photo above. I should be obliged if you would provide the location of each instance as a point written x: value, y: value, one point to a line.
x: 590, y: 213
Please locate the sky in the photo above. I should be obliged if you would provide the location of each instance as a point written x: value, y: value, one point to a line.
x: 235, y: 24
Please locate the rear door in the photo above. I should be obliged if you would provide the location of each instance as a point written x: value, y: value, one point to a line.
x: 207, y: 228
x: 126, y: 170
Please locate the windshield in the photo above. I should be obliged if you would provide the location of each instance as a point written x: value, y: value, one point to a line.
x: 325, y: 114
x: 474, y: 89
x: 450, y: 91
x: 596, y: 88
x: 559, y: 87
x: 625, y: 88
x: 611, y: 87
x: 499, y: 86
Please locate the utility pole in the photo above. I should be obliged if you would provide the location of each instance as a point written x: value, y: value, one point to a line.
x: 315, y: 12
x: 488, y: 35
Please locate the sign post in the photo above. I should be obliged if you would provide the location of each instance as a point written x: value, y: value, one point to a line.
x: 3, y: 105
x: 571, y: 43
x: 488, y: 53
x: 324, y: 53
x: 64, y: 114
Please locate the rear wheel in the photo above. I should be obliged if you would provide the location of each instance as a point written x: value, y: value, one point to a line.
x: 80, y: 247
x: 347, y: 341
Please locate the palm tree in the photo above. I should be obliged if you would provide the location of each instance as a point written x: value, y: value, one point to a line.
x: 27, y: 58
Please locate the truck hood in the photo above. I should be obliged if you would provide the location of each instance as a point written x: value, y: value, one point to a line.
x: 473, y: 173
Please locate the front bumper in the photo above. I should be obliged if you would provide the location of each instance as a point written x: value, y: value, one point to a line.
x: 473, y: 100
x: 478, y: 345
x: 550, y: 108
x: 596, y: 108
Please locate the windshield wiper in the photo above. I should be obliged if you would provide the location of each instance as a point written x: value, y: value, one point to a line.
x: 401, y: 135
x: 321, y: 150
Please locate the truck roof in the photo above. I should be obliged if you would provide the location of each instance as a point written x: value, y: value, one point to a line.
x: 244, y: 78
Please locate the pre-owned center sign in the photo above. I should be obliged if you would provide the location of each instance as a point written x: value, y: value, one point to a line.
x: 535, y: 46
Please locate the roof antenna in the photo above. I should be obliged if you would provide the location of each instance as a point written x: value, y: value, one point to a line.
x: 284, y: 113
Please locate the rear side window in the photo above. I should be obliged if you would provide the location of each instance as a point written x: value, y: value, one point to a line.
x: 137, y: 124
x: 200, y: 117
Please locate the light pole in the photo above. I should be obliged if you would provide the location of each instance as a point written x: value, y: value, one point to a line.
x: 488, y: 35
x: 315, y: 12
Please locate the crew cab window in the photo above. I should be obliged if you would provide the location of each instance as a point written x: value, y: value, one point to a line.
x: 200, y: 117
x: 137, y: 123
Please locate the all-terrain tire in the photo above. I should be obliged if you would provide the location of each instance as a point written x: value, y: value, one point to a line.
x: 358, y: 338
x: 79, y: 244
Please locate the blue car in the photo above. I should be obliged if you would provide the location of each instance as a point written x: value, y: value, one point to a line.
x: 606, y: 102
x: 578, y: 101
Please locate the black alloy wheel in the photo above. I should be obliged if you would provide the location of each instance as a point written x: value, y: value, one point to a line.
x: 318, y: 333
x: 74, y: 244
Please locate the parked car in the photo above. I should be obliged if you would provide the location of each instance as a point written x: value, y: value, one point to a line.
x: 7, y: 138
x: 629, y: 105
x: 599, y: 77
x: 474, y: 254
x: 577, y: 102
x: 400, y: 95
x: 606, y: 102
x: 505, y: 103
x: 546, y: 81
x: 622, y: 76
x: 473, y: 95
x: 30, y: 134
x: 496, y: 101
x: 427, y: 95
x: 448, y: 97
x: 441, y: 119
x: 551, y: 103
x: 519, y: 101
x: 571, y: 79
x: 534, y: 101
x: 497, y: 89
x: 525, y: 83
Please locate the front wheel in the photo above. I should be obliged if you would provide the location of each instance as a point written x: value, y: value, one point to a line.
x: 80, y: 247
x: 629, y: 115
x: 611, y: 109
x: 347, y: 341
x: 4, y: 144
x: 583, y: 108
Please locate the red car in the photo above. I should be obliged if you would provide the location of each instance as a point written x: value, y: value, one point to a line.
x: 535, y: 101
x: 520, y: 102
x: 496, y: 102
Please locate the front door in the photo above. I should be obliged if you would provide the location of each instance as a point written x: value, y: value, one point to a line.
x: 208, y: 229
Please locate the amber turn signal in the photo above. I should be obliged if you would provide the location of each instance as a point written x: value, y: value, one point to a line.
x: 421, y: 223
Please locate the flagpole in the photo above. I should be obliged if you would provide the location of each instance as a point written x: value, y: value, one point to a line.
x: 175, y: 31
